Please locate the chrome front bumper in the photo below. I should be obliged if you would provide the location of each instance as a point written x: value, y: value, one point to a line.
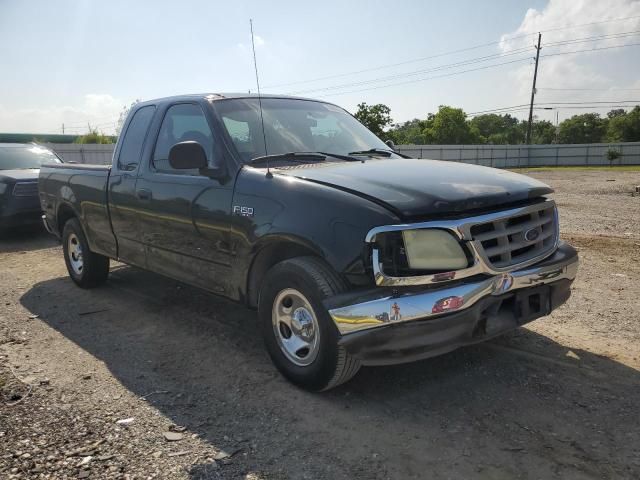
x: 398, y: 308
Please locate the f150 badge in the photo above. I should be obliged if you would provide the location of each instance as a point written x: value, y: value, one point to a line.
x: 243, y: 211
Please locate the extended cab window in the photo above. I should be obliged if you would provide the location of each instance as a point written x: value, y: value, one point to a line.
x: 182, y: 122
x: 133, y: 140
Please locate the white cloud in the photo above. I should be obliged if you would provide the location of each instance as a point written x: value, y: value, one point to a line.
x: 589, y: 71
x: 101, y: 111
x: 586, y: 18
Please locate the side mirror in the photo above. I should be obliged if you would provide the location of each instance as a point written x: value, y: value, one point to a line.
x: 189, y: 156
x: 390, y: 144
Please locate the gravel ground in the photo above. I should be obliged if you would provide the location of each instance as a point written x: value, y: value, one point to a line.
x: 146, y: 378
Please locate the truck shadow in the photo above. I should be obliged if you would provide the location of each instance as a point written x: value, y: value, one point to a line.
x: 26, y: 239
x: 477, y: 407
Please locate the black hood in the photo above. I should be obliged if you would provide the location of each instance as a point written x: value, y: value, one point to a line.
x: 412, y: 187
x: 19, y: 175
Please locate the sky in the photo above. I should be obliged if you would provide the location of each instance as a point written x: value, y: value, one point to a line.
x: 80, y: 62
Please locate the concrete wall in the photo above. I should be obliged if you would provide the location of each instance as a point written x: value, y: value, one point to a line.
x: 72, y: 152
x: 509, y: 156
x: 500, y: 156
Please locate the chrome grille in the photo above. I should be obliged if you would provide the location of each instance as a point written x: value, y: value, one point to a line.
x: 510, y: 241
x: 25, y: 189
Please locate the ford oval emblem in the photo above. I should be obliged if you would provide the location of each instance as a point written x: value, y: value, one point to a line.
x: 531, y: 235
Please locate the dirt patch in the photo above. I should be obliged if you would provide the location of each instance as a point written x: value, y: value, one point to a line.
x: 595, y: 202
x: 557, y: 399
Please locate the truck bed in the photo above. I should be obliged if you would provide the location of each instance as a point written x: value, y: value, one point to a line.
x: 80, y: 189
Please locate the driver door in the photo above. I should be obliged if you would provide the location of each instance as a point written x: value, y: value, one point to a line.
x: 185, y: 221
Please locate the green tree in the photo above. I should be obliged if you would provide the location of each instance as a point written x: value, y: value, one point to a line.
x: 375, y: 117
x: 94, y: 137
x: 450, y: 127
x: 497, y: 129
x: 585, y: 128
x: 618, y: 112
x: 624, y: 127
x: 411, y: 132
x: 543, y: 132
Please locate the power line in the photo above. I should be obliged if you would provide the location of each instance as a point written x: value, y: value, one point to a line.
x: 493, y: 110
x: 429, y: 78
x: 559, y: 105
x: 592, y: 89
x: 469, y: 62
x: 582, y: 103
x: 451, y: 52
x: 594, y: 38
x: 589, y: 107
x: 475, y: 69
x: 110, y: 118
x: 417, y: 72
x: 595, y: 49
x: 391, y: 65
x: 621, y: 19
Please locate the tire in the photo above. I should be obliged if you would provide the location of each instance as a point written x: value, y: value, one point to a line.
x: 86, y: 268
x: 290, y: 303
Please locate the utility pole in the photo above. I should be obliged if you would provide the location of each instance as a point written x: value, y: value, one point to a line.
x: 63, y: 128
x: 533, y: 91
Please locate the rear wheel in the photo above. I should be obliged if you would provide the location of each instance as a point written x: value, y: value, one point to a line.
x: 86, y: 268
x: 299, y: 333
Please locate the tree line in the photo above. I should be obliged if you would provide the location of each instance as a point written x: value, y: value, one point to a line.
x: 452, y: 126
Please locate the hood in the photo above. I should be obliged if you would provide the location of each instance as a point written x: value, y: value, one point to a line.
x: 20, y: 174
x: 412, y: 187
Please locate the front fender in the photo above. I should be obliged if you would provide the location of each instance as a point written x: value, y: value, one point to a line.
x: 330, y: 222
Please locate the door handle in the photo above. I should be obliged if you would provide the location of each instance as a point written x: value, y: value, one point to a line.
x: 144, y: 194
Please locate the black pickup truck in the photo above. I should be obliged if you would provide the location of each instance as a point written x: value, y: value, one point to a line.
x: 352, y: 253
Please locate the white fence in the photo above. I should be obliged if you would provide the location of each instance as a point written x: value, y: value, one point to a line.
x: 72, y: 152
x: 500, y: 156
x: 510, y: 156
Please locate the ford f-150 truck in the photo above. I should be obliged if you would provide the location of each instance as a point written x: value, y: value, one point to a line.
x: 351, y: 253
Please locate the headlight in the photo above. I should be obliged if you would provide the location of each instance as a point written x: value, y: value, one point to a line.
x: 433, y: 249
x: 3, y: 188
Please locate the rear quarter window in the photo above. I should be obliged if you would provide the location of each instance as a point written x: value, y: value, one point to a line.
x: 134, y: 138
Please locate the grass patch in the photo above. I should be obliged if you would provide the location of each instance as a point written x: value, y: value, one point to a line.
x: 614, y: 168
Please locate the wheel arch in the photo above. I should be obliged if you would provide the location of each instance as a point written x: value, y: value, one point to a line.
x: 65, y: 213
x: 269, y: 253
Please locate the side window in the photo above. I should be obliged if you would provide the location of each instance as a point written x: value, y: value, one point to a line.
x: 181, y: 123
x: 133, y: 139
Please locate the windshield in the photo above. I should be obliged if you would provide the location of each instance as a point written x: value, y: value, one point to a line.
x: 25, y: 156
x: 292, y: 126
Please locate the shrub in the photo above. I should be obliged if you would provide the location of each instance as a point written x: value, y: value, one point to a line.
x: 94, y: 137
x: 613, y: 154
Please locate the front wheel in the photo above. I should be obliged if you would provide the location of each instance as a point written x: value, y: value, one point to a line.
x: 298, y: 331
x: 86, y: 268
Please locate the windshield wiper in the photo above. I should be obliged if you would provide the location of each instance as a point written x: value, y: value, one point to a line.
x: 299, y: 157
x: 346, y: 158
x: 302, y: 157
x: 374, y: 151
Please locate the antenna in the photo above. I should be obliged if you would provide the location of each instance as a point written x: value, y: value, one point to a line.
x: 255, y: 66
